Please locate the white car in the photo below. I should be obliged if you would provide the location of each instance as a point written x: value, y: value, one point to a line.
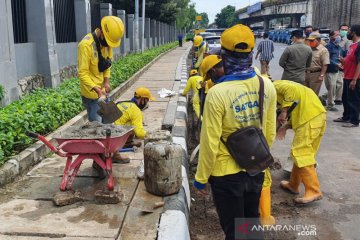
x: 213, y: 43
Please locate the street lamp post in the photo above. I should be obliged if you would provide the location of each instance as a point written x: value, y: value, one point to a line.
x: 136, y: 26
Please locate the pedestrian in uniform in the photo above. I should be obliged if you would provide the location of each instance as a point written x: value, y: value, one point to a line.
x: 201, y: 46
x: 232, y: 104
x: 266, y: 50
x: 296, y: 58
x: 194, y: 83
x: 308, y: 120
x: 315, y: 74
x: 94, y: 63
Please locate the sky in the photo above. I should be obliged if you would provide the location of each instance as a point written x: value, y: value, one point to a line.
x: 213, y: 7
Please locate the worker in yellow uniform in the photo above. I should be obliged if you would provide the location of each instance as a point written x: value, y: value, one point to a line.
x: 94, y: 63
x: 194, y: 83
x: 212, y: 62
x: 132, y: 116
x: 201, y: 46
x: 230, y: 105
x: 308, y: 120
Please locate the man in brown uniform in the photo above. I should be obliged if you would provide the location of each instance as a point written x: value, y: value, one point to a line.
x: 320, y: 59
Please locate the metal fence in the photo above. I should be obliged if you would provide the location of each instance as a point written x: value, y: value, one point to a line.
x: 95, y: 16
x: 64, y: 15
x: 19, y: 21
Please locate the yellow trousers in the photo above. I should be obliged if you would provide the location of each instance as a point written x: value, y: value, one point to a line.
x: 196, y: 104
x: 307, y: 141
x: 267, y: 179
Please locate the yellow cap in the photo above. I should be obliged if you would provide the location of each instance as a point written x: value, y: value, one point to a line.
x: 238, y: 38
x: 198, y: 40
x: 143, y: 92
x: 113, y: 30
x: 193, y: 72
x: 208, y: 63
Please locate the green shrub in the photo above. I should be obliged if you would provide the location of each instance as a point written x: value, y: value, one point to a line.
x: 2, y: 92
x: 44, y: 110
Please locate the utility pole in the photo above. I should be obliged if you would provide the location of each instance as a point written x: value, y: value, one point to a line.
x: 136, y: 30
x: 143, y: 27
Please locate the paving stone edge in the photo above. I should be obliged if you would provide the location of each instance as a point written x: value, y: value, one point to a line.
x: 19, y: 164
x: 174, y: 222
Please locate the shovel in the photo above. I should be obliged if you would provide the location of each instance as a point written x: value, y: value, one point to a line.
x: 108, y: 111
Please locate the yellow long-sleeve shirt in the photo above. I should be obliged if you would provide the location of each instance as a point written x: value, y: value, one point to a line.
x: 192, y: 83
x: 228, y: 107
x: 309, y: 105
x: 89, y: 74
x: 200, y: 55
x: 131, y: 116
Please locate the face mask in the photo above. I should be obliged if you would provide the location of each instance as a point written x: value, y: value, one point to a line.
x: 337, y: 40
x: 343, y: 33
x: 143, y: 106
x: 307, y: 34
x: 103, y: 42
x: 103, y: 63
x: 236, y: 63
x: 313, y: 44
x: 349, y: 36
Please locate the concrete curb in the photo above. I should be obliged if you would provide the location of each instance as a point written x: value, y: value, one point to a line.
x: 20, y: 163
x: 175, y: 220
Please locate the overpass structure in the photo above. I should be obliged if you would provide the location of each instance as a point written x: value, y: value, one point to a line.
x: 300, y: 12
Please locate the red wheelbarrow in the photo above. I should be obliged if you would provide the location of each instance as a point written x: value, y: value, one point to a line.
x: 95, y: 149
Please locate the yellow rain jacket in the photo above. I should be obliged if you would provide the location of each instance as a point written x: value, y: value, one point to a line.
x: 194, y: 83
x: 308, y: 120
x: 309, y: 105
x: 228, y: 107
x: 132, y: 116
x: 200, y: 55
x: 89, y: 74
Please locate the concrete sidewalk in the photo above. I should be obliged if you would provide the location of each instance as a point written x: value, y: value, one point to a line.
x: 26, y: 208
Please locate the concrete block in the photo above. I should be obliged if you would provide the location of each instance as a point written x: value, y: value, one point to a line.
x: 9, y: 171
x: 158, y: 136
x: 181, y: 115
x: 162, y: 165
x: 169, y: 118
x: 181, y: 141
x: 173, y: 226
x: 179, y: 131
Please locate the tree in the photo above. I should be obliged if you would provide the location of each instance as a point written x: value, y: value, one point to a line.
x: 227, y: 17
x: 162, y: 10
x: 205, y: 20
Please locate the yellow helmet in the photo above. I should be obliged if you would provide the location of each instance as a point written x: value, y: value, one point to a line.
x: 143, y: 92
x: 193, y: 72
x: 208, y: 63
x: 238, y: 38
x: 113, y: 30
x: 198, y: 40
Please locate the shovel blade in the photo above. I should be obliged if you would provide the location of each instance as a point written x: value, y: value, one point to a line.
x: 109, y: 112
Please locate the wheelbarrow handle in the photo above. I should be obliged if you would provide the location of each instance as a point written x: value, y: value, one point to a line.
x: 45, y: 141
x: 32, y: 134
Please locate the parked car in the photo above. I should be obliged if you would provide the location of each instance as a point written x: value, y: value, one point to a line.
x: 288, y: 35
x: 271, y: 34
x: 206, y: 34
x: 213, y: 42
